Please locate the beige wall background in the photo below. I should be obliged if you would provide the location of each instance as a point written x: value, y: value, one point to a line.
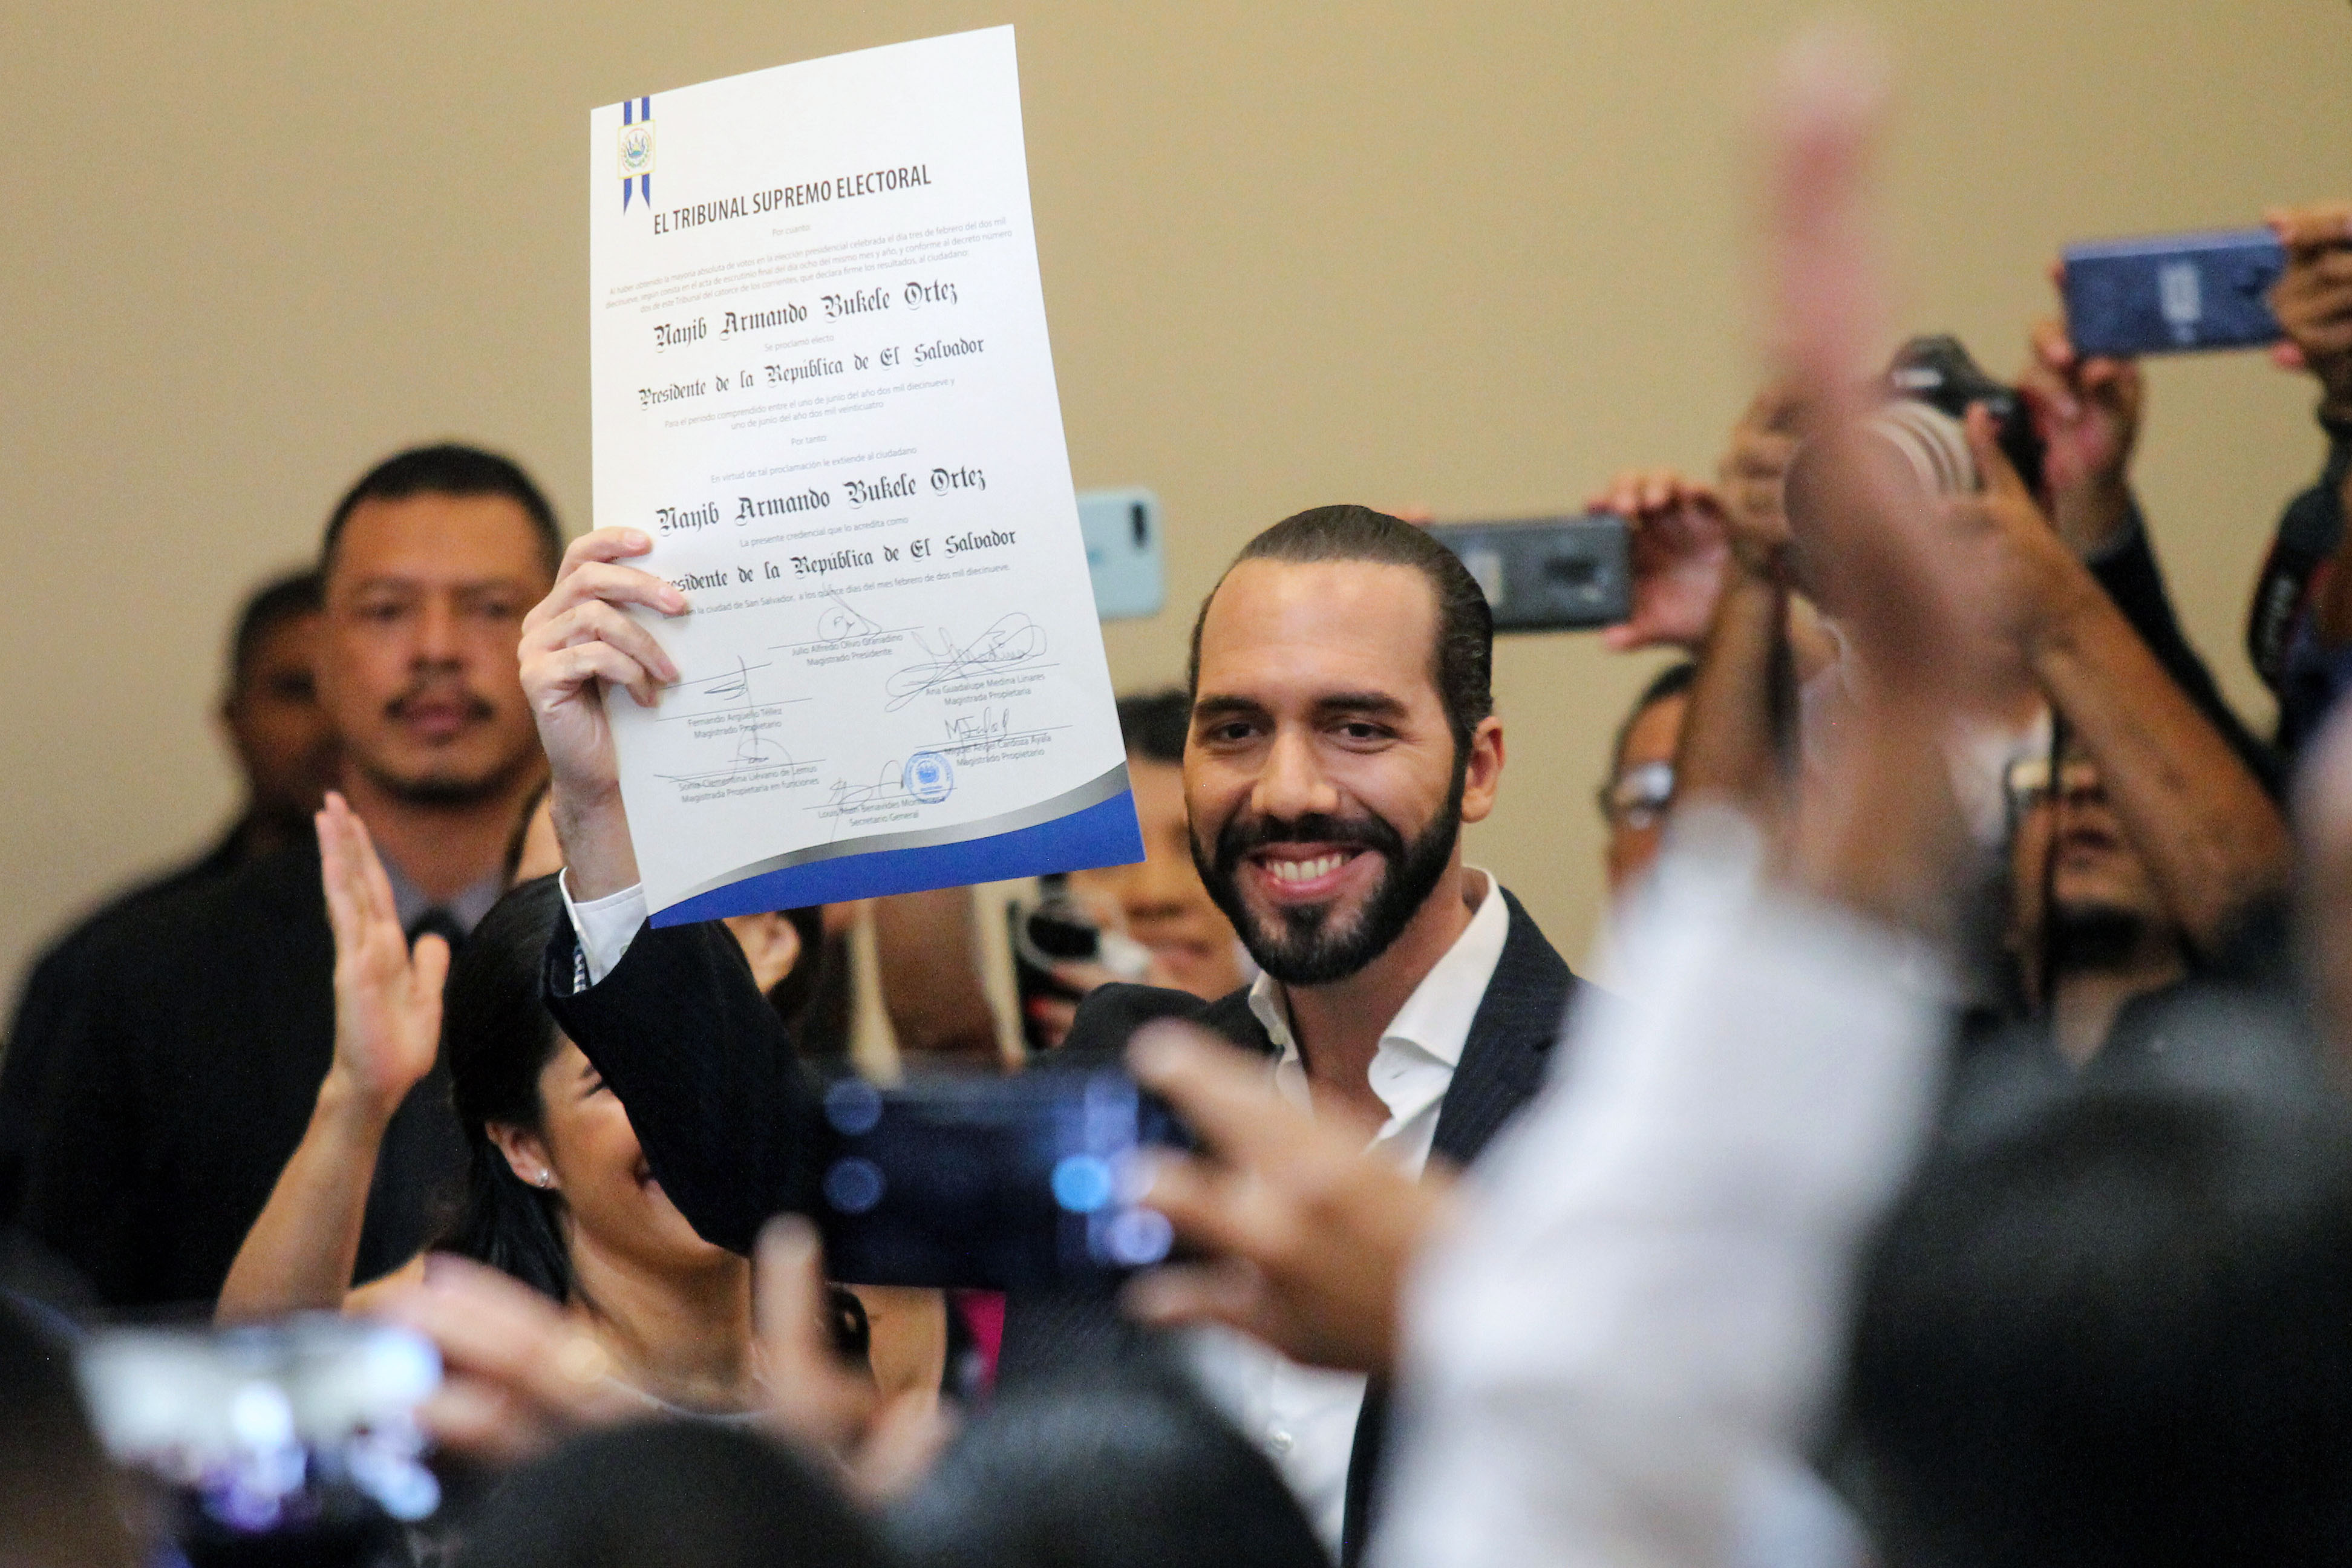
x: 1473, y: 257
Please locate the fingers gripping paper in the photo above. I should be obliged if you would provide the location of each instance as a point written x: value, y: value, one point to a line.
x: 822, y: 387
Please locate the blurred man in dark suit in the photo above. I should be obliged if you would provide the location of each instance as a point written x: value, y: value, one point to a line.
x: 183, y: 1085
x: 285, y: 749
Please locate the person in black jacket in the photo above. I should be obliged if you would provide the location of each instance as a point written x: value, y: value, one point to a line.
x: 183, y: 1084
x: 285, y: 749
x: 1343, y: 733
x: 2299, y: 629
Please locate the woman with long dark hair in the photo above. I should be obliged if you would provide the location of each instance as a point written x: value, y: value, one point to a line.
x: 558, y: 1194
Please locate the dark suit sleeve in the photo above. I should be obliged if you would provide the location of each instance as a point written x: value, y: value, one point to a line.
x: 732, y: 1125
x: 2135, y: 582
x: 94, y: 1171
x: 45, y: 1013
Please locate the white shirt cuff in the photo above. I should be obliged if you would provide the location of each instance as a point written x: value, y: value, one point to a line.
x: 605, y: 926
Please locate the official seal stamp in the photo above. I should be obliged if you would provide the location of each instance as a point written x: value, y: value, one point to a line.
x: 929, y: 777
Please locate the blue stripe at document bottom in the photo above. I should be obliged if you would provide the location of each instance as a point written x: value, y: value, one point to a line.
x: 1104, y: 834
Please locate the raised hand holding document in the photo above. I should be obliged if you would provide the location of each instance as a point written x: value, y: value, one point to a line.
x: 822, y: 385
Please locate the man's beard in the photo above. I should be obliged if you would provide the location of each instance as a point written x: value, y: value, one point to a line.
x: 2094, y: 938
x: 1307, y: 949
x: 437, y: 788
x: 444, y: 791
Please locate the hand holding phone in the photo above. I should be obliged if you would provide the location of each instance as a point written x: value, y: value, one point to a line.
x: 1303, y: 1238
x: 2087, y: 410
x: 2314, y: 301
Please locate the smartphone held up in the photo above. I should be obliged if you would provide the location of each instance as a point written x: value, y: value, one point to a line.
x: 1549, y: 574
x: 297, y: 1436
x: 2173, y: 293
x: 1025, y: 1183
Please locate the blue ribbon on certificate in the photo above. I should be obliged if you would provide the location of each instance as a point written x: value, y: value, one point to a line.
x: 637, y: 149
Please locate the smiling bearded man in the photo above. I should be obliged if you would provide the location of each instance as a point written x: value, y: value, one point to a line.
x: 1342, y: 731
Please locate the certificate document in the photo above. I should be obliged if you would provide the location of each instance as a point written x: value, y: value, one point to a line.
x: 822, y: 387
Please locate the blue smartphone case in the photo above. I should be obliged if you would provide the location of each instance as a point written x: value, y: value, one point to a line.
x: 2173, y: 293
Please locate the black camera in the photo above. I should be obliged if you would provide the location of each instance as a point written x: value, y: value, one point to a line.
x: 1057, y: 930
x: 1921, y: 417
x: 1931, y: 384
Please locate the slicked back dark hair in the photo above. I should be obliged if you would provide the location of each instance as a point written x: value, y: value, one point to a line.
x: 684, y: 1494
x: 447, y: 468
x: 1463, y: 662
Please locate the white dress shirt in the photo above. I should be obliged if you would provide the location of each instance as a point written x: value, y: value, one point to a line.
x: 605, y: 926
x: 1304, y: 1417
x: 1615, y: 1360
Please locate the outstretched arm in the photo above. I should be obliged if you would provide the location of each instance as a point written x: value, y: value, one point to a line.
x: 301, y: 1252
x: 731, y: 1125
x: 575, y: 642
x: 2303, y: 652
x: 1693, y: 546
x: 2088, y: 411
x: 2210, y: 835
x: 671, y: 1017
x: 1737, y: 742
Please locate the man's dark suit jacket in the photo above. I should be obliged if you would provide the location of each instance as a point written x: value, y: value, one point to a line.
x: 55, y: 989
x: 732, y: 1127
x: 184, y: 1078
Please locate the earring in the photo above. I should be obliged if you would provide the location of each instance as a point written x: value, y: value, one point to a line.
x: 545, y: 1178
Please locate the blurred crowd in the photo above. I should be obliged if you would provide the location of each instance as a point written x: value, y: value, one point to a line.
x: 1952, y: 1165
